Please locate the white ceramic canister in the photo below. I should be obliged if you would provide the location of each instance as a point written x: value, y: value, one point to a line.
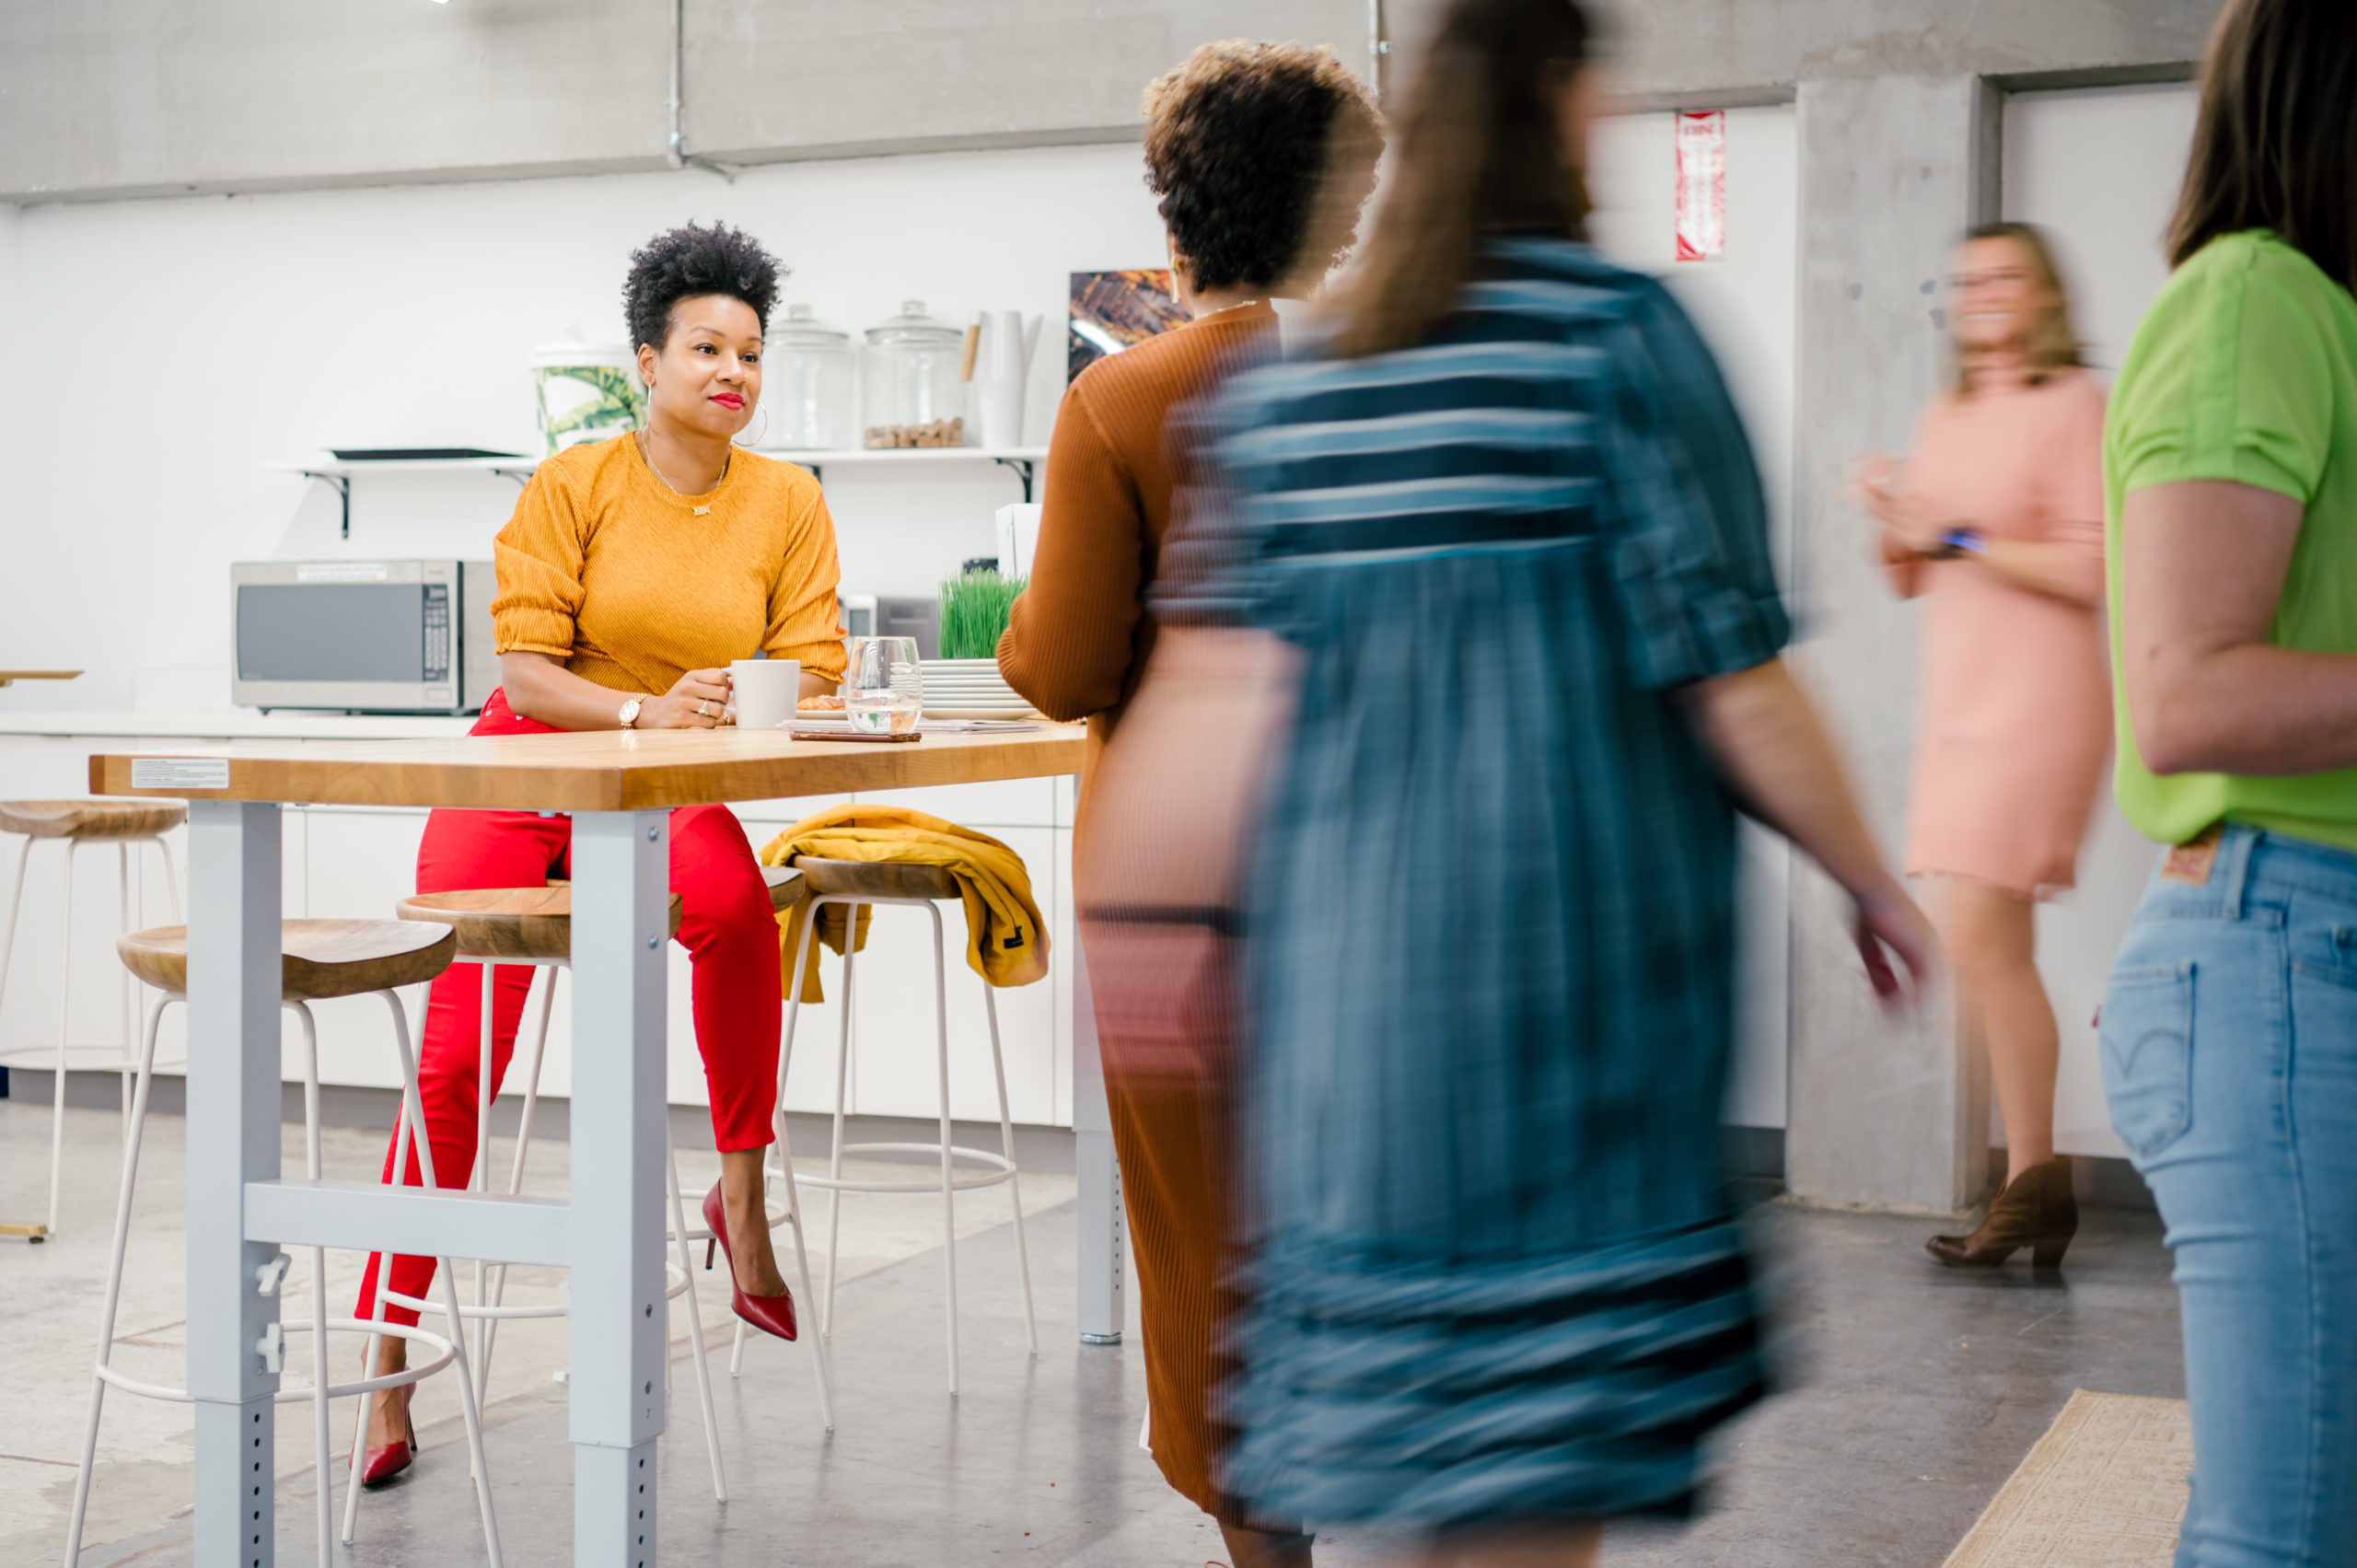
x: 585, y: 392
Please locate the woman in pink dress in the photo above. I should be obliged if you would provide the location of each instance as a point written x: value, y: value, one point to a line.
x: 1997, y: 523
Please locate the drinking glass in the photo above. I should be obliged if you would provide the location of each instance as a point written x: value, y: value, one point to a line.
x: 883, y: 690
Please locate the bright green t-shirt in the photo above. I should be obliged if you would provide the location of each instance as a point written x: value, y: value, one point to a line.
x: 2246, y: 369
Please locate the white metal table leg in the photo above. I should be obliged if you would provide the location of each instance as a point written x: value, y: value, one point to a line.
x: 819, y: 1350
x: 1103, y: 1245
x: 232, y: 1130
x: 523, y: 1146
x: 171, y: 877
x: 320, y: 1377
x: 1014, y: 1181
x: 695, y: 1327
x: 948, y: 1193
x: 792, y: 1188
x: 64, y: 1013
x: 8, y: 953
x: 16, y: 903
x: 488, y: 974
x: 123, y: 977
x: 115, y: 1292
x: 842, y: 1085
x: 621, y: 917
x: 414, y: 1106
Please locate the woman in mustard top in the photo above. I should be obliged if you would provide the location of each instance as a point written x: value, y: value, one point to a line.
x: 2229, y: 1032
x: 633, y: 572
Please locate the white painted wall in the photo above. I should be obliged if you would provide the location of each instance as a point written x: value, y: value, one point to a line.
x: 2099, y: 171
x: 1744, y: 305
x: 193, y: 341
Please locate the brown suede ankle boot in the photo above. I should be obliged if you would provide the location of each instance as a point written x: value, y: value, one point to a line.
x: 2037, y: 1210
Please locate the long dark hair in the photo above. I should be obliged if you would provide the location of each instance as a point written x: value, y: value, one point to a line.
x: 1481, y: 147
x: 2276, y: 143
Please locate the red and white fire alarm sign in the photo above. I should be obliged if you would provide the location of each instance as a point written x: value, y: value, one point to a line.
x: 1702, y: 186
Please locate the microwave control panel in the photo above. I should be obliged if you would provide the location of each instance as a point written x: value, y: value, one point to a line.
x: 438, y: 632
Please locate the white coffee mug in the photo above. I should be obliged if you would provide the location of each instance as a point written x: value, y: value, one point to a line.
x: 764, y: 691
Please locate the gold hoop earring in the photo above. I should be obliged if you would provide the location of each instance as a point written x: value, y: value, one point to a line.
x: 755, y: 443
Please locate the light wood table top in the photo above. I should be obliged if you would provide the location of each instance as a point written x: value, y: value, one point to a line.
x: 586, y: 770
x: 7, y: 676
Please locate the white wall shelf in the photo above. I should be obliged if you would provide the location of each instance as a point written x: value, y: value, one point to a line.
x: 340, y: 471
x: 1024, y: 460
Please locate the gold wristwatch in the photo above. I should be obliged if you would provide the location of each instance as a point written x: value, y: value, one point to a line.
x: 628, y: 715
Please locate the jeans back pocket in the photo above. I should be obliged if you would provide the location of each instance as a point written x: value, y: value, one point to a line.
x: 2147, y: 1041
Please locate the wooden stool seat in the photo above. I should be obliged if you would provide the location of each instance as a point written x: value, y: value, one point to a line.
x: 785, y: 885
x: 90, y: 820
x: 321, y: 958
x: 875, y: 878
x: 527, y: 925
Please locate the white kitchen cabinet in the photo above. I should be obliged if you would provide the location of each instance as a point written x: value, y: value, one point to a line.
x: 1006, y: 803
x: 896, y: 1071
x: 356, y: 862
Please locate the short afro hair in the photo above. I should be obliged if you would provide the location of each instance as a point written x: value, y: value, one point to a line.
x: 1262, y: 154
x: 689, y: 261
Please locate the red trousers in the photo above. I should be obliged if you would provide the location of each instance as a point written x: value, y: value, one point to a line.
x: 726, y: 923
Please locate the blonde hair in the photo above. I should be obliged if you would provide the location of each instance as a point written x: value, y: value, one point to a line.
x: 2053, y: 345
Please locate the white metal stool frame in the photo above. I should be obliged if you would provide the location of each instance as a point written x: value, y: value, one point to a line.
x: 1001, y: 1166
x: 322, y: 1388
x: 134, y: 896
x: 489, y: 1307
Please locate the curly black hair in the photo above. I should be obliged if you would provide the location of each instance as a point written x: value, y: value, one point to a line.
x: 689, y: 261
x: 1241, y: 141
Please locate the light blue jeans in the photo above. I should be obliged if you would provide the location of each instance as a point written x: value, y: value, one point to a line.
x: 2229, y: 1040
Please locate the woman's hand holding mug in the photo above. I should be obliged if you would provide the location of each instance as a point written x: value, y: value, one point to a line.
x: 698, y: 700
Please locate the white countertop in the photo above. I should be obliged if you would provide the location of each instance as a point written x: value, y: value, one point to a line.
x: 227, y: 724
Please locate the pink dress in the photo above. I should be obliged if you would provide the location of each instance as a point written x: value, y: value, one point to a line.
x: 2016, y: 722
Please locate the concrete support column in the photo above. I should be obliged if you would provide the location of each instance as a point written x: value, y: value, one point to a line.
x: 1884, y: 1111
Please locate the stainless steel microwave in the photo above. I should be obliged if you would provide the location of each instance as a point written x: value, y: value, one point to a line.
x: 364, y: 636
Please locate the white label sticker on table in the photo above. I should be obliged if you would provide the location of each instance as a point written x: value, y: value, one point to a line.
x: 1702, y: 186
x: 180, y: 773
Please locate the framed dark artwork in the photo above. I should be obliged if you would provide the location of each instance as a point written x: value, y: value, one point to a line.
x: 1112, y: 310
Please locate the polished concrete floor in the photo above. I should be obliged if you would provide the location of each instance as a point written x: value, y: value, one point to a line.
x: 1908, y: 1395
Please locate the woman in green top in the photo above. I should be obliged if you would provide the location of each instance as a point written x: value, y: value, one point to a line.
x: 2229, y: 1034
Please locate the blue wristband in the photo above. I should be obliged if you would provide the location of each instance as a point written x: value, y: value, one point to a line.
x: 1957, y: 541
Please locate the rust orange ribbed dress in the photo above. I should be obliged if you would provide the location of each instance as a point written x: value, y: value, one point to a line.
x: 1076, y: 646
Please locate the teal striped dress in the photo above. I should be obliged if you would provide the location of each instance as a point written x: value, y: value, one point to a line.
x: 1493, y: 1269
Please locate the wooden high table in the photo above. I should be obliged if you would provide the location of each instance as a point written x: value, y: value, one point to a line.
x: 618, y: 788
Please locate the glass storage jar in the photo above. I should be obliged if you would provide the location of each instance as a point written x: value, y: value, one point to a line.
x: 805, y: 385
x: 914, y: 395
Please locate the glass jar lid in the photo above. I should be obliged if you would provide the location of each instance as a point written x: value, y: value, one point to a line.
x: 913, y: 328
x: 802, y: 329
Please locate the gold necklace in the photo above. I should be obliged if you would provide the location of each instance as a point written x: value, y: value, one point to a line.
x: 647, y: 450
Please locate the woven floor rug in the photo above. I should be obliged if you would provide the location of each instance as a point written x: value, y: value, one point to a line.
x: 2104, y: 1488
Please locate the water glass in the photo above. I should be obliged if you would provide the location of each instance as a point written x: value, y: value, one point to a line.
x: 883, y: 689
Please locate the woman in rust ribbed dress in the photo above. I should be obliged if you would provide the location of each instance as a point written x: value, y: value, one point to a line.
x: 1262, y: 154
x: 1997, y: 525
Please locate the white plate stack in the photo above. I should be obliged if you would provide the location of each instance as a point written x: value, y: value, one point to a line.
x: 970, y: 689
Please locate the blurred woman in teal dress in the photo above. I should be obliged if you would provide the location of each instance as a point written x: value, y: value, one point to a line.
x: 1500, y: 548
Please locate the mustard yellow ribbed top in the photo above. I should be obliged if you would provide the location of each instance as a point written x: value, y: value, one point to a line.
x: 632, y: 585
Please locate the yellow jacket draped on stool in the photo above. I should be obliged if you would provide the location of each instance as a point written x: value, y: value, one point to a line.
x: 1005, y: 943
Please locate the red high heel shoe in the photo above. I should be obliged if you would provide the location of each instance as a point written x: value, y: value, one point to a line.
x: 770, y: 1314
x: 383, y: 1464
